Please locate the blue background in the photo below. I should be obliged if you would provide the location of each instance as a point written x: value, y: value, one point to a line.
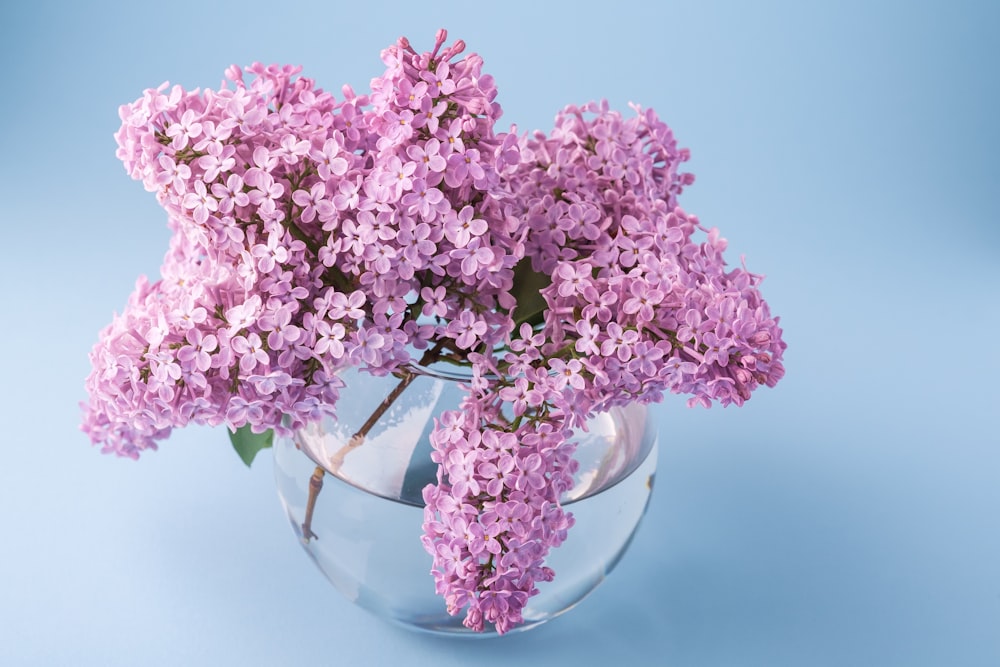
x: 846, y: 517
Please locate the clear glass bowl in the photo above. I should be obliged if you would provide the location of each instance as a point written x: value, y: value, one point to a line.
x: 366, y: 521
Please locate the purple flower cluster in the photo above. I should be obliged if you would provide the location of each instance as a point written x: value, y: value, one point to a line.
x: 638, y: 306
x: 312, y: 234
x: 495, y: 512
x: 635, y: 307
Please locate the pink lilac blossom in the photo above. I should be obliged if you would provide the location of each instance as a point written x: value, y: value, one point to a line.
x: 313, y: 233
x: 495, y: 514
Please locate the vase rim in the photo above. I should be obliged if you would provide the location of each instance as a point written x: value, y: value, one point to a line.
x: 441, y: 370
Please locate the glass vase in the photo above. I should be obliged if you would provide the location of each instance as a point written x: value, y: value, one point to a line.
x: 363, y: 530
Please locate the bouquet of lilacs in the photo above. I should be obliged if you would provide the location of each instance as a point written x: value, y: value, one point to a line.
x: 399, y: 227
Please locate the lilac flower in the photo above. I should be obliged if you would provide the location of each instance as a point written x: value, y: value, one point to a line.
x: 291, y: 151
x: 347, y: 196
x: 646, y: 358
x: 271, y: 253
x: 642, y: 301
x: 452, y: 139
x: 619, y: 341
x: 438, y: 81
x: 472, y: 257
x: 329, y: 339
x: 414, y: 241
x: 311, y: 234
x: 231, y: 194
x: 398, y: 175
x: 567, y: 373
x: 188, y: 312
x: 263, y: 164
x: 201, y: 203
x: 463, y: 165
x: 467, y: 329
x: 250, y: 350
x: 219, y: 159
x: 213, y: 136
x: 516, y: 395
x: 496, y: 474
x: 367, y: 346
x: 173, y: 173
x: 242, y: 315
x: 424, y: 200
x: 241, y: 411
x: 278, y: 324
x: 430, y: 115
x: 573, y: 278
x: 187, y: 128
x: 587, y: 341
x: 346, y: 306
x: 427, y: 158
x: 435, y: 301
x: 460, y: 228
x: 310, y: 201
x: 266, y: 197
x: 198, y: 353
x: 267, y: 384
x: 412, y: 94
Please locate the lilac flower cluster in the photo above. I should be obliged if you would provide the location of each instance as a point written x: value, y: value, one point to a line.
x: 312, y: 234
x: 635, y: 303
x: 634, y: 308
x: 495, y: 512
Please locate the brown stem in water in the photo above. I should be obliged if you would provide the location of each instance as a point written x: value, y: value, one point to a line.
x: 359, y: 438
x: 316, y: 481
x: 315, y: 485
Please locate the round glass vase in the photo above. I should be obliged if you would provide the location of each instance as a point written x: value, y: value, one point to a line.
x: 364, y: 525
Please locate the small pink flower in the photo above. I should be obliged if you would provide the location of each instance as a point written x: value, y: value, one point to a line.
x: 183, y: 130
x: 201, y: 203
x: 250, y: 351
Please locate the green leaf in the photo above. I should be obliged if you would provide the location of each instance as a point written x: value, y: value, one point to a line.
x: 528, y: 285
x: 247, y: 443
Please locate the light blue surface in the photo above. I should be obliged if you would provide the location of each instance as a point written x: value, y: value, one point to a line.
x: 847, y: 517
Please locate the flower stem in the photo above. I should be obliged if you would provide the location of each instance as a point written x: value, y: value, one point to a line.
x: 315, y: 485
x: 356, y: 440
